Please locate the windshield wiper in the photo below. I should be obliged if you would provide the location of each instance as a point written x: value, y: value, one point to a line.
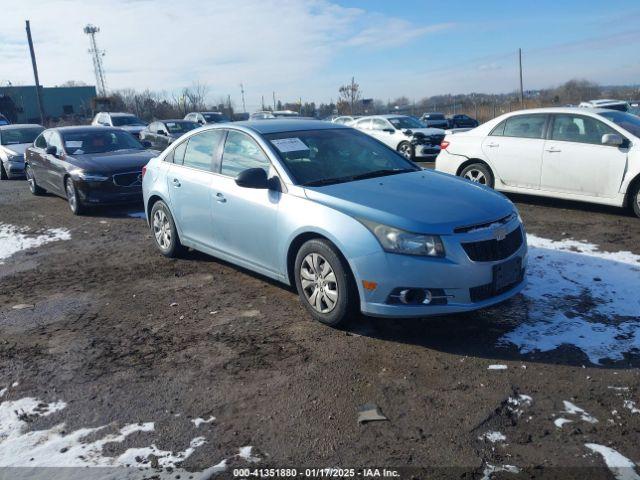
x: 326, y: 181
x: 381, y: 173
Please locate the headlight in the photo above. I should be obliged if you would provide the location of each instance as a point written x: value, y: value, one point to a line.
x: 16, y: 158
x: 89, y: 177
x: 395, y: 240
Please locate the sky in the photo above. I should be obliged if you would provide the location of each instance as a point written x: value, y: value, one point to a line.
x: 308, y: 48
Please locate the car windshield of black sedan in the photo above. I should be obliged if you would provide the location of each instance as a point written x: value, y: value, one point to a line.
x: 325, y: 157
x: 214, y: 117
x: 631, y: 123
x: 405, y: 122
x: 14, y: 136
x: 125, y: 120
x: 80, y: 143
x: 181, y: 126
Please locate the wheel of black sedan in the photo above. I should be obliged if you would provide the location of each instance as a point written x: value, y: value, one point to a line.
x: 324, y: 283
x: 165, y: 234
x: 72, y: 197
x: 31, y: 180
x: 635, y: 198
x: 406, y: 150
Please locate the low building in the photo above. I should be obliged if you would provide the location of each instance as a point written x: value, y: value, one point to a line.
x: 20, y: 104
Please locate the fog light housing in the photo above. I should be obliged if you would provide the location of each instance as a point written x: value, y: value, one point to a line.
x: 417, y: 296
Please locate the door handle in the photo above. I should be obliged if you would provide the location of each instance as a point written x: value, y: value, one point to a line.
x: 553, y: 150
x: 220, y: 198
x: 176, y: 182
x: 493, y: 145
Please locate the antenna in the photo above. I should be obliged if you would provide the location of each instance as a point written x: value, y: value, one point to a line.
x: 96, y: 56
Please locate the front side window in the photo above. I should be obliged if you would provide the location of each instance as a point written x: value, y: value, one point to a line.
x: 328, y: 156
x: 41, y: 141
x: 378, y: 124
x: 15, y: 136
x: 200, y: 149
x: 363, y: 124
x: 631, y: 123
x: 525, y: 126
x: 56, y: 141
x: 401, y: 123
x: 180, y: 127
x: 576, y: 128
x: 240, y: 153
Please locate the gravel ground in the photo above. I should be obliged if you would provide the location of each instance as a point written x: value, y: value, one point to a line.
x: 125, y: 336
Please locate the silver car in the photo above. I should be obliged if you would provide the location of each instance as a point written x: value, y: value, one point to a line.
x: 14, y: 140
x: 351, y: 223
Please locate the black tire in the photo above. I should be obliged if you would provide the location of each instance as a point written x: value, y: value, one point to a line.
x: 634, y: 198
x: 165, y: 234
x: 406, y: 150
x: 3, y: 172
x: 75, y: 205
x: 31, y: 179
x: 346, y: 305
x: 478, y: 173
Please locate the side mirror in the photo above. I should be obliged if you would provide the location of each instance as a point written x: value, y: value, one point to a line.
x: 52, y: 150
x: 201, y: 122
x: 612, y: 139
x: 146, y: 143
x: 253, y: 178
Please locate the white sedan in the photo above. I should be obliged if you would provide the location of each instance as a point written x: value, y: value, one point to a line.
x: 590, y: 155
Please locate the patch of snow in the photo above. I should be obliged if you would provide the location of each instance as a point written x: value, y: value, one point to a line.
x: 3, y: 391
x: 520, y: 401
x: 619, y: 389
x: 199, y: 421
x: 493, y: 437
x: 14, y: 239
x: 631, y: 405
x: 559, y: 422
x: 245, y: 453
x: 573, y: 409
x: 14, y: 384
x: 621, y: 467
x: 580, y: 296
x: 497, y: 367
x: 489, y: 470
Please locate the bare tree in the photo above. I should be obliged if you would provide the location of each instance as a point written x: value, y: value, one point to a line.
x: 349, y: 96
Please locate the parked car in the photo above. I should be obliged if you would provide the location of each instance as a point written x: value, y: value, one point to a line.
x: 351, y: 223
x: 462, y: 121
x: 162, y: 132
x: 262, y: 116
x: 434, y: 120
x: 405, y: 134
x: 285, y: 113
x: 585, y: 154
x: 87, y: 166
x: 609, y: 104
x: 635, y: 107
x: 126, y: 121
x: 204, y: 118
x: 14, y: 140
x: 4, y: 120
x: 345, y: 119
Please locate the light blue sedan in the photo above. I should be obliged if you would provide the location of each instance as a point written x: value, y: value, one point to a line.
x: 347, y: 220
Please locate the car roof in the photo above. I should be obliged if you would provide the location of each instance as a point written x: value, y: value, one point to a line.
x: 284, y: 125
x: 165, y: 120
x: 86, y: 128
x: 577, y: 110
x: 19, y: 125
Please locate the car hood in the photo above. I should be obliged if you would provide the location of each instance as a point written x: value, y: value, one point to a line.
x: 132, y: 128
x: 113, y: 162
x: 427, y: 131
x: 420, y: 202
x: 15, y: 148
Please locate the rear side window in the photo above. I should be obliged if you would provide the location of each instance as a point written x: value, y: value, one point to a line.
x: 199, y: 150
x: 499, y: 130
x: 41, y: 142
x: 576, y: 128
x: 240, y: 153
x: 524, y: 126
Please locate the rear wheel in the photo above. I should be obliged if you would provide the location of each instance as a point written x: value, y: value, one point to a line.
x: 406, y: 150
x: 75, y: 205
x: 635, y: 198
x: 31, y: 179
x: 478, y: 173
x: 324, y: 283
x: 164, y: 230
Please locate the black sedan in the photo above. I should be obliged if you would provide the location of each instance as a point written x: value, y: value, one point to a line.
x: 87, y: 166
x: 163, y: 132
x: 462, y: 121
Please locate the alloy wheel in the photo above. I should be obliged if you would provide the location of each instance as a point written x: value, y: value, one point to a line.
x: 31, y: 180
x: 71, y: 196
x: 405, y: 150
x: 476, y: 176
x: 319, y: 283
x: 162, y: 229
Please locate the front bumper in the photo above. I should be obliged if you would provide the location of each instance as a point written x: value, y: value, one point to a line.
x: 106, y: 193
x: 14, y: 169
x: 426, y: 151
x: 456, y: 275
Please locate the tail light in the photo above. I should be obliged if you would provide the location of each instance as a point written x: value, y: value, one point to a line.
x: 444, y: 144
x: 144, y: 170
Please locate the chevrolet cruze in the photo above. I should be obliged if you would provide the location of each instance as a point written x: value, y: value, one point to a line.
x: 348, y: 221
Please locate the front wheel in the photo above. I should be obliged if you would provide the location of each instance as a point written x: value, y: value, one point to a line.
x: 165, y: 233
x: 75, y: 205
x: 635, y: 199
x: 406, y: 150
x: 31, y: 180
x: 324, y: 283
x: 478, y: 173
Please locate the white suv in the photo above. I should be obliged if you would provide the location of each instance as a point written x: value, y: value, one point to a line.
x: 125, y: 121
x: 405, y: 134
x: 585, y: 154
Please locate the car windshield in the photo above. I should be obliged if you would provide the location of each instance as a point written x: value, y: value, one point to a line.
x: 14, y: 136
x: 79, y: 143
x: 434, y: 116
x: 181, y: 126
x: 120, y: 121
x: 325, y: 157
x: 406, y: 122
x: 214, y: 117
x: 631, y: 123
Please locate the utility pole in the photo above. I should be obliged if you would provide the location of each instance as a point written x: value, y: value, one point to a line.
x: 521, y: 88
x: 263, y: 103
x: 274, y: 101
x: 244, y: 107
x: 35, y: 73
x: 96, y: 56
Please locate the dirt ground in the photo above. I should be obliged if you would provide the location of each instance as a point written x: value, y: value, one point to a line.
x: 123, y: 335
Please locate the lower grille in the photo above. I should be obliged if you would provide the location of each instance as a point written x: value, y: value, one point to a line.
x: 487, y: 291
x: 492, y: 250
x: 130, y: 179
